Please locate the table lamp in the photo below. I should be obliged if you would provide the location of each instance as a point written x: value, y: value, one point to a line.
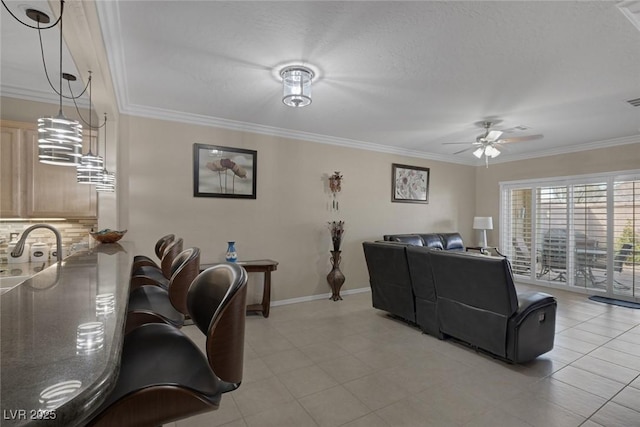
x: 483, y: 223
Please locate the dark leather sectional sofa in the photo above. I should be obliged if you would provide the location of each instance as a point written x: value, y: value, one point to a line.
x: 451, y: 293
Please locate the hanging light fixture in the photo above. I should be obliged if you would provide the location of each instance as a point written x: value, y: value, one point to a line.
x: 59, y: 138
x: 296, y: 81
x: 488, y: 151
x: 107, y: 183
x: 90, y: 167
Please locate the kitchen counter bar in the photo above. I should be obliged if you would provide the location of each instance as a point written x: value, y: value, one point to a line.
x: 61, y: 335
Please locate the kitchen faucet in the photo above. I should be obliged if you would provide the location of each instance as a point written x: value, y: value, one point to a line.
x: 17, y: 251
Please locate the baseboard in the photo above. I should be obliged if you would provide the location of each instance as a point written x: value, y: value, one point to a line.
x: 317, y: 297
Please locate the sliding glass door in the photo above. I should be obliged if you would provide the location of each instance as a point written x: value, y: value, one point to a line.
x: 575, y: 232
x: 625, y: 265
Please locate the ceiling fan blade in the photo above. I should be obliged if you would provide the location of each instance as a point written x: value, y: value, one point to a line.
x: 450, y: 143
x: 493, y: 135
x: 466, y: 149
x: 520, y: 139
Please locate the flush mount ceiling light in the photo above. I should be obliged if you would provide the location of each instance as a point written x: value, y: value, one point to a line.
x: 296, y: 82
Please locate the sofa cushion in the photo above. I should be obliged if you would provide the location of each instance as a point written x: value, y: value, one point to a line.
x: 410, y: 239
x: 446, y: 241
x: 452, y: 241
x: 432, y: 240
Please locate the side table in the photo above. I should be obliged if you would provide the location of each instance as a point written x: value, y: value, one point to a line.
x: 485, y: 250
x: 265, y: 266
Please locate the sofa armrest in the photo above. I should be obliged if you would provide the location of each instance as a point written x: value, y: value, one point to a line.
x: 529, y: 302
x: 531, y: 330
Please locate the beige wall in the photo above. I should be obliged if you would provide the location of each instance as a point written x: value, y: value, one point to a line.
x: 618, y: 158
x: 287, y: 221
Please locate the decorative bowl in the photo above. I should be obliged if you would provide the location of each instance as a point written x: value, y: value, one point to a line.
x: 107, y: 235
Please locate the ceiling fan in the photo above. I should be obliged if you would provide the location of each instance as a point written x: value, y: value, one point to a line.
x: 487, y: 143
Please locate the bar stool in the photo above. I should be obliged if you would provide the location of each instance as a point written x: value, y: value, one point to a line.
x: 149, y: 275
x: 164, y: 376
x: 154, y: 304
x: 161, y: 244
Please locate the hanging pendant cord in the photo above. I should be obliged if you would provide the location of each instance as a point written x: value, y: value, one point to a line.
x: 60, y: 77
x: 31, y: 26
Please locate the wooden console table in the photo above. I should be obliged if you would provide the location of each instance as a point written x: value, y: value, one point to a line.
x: 265, y: 266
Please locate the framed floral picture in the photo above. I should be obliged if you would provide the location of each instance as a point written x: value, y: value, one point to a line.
x: 409, y: 184
x: 224, y: 172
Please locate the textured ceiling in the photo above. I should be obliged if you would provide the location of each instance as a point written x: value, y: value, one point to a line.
x: 401, y: 77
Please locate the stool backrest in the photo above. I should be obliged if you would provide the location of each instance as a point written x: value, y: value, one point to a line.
x: 170, y: 253
x: 217, y: 304
x: 185, y: 268
x: 162, y: 243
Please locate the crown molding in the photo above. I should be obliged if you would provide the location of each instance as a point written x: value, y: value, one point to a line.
x: 202, y: 120
x: 633, y: 139
x: 631, y: 9
x: 110, y: 14
x: 197, y: 119
x: 40, y: 96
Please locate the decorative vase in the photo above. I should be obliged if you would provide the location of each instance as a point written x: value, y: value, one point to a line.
x: 335, y: 276
x: 232, y: 255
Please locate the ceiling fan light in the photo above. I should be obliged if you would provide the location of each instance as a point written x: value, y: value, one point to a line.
x: 478, y: 153
x: 491, y: 151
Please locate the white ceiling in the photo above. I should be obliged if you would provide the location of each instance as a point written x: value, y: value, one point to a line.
x: 400, y: 77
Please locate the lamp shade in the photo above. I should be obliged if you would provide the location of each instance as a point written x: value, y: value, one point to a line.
x: 90, y: 169
x: 59, y: 141
x: 107, y: 183
x: 482, y: 223
x: 491, y: 151
x: 296, y: 82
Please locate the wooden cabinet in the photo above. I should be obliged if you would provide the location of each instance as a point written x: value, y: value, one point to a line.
x: 11, y: 180
x: 31, y: 189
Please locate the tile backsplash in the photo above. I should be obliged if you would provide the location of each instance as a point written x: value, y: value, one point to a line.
x: 72, y: 231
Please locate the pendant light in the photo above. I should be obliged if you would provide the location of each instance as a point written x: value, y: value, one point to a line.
x: 107, y: 183
x: 90, y: 167
x: 59, y: 138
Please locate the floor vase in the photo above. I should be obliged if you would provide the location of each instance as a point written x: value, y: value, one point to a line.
x: 335, y: 278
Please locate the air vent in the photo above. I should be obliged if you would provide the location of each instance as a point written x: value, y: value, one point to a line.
x: 634, y: 102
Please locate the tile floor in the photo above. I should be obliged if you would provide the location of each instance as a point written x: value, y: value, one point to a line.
x: 325, y: 363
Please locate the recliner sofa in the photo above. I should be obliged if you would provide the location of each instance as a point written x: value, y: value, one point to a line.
x: 466, y: 296
x: 444, y: 241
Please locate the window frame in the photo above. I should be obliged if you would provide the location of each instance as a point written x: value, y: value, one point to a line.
x: 572, y: 183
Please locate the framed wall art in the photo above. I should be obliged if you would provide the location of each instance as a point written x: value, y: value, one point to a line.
x: 224, y: 172
x: 409, y: 184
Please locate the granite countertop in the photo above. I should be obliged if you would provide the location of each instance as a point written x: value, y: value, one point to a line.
x: 61, y: 332
x: 24, y: 268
